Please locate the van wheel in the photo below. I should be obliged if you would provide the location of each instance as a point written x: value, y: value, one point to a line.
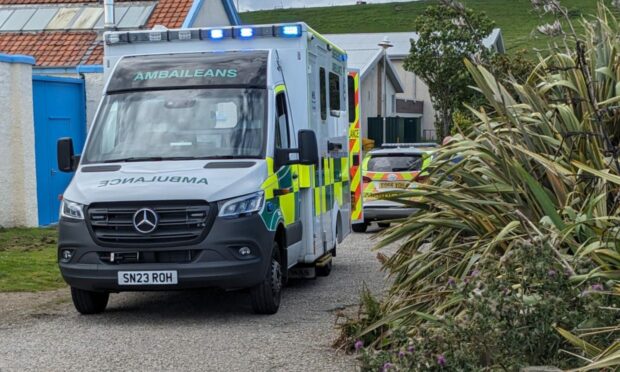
x: 266, y: 296
x: 89, y: 302
x: 360, y: 227
x: 384, y: 225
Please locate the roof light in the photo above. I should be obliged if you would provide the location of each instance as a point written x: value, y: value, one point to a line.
x: 154, y: 36
x: 116, y: 38
x: 185, y: 35
x: 216, y: 34
x: 246, y: 32
x: 290, y: 30
x: 113, y: 38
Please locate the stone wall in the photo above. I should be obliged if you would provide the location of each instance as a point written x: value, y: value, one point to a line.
x: 18, y: 181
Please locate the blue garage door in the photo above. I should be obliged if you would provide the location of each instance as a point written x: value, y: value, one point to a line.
x: 59, y: 111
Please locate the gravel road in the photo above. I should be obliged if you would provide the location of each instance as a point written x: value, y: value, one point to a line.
x: 198, y: 330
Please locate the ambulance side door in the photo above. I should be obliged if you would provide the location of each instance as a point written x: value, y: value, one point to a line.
x: 289, y: 197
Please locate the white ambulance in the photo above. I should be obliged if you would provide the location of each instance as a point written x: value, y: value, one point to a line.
x: 218, y: 157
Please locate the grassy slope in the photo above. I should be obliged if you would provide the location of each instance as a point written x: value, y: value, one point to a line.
x: 514, y: 17
x: 28, y: 260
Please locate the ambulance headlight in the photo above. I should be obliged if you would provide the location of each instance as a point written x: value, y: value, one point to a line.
x: 72, y: 210
x: 242, y: 206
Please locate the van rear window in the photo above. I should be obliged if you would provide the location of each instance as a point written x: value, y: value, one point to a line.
x: 190, y: 70
x: 395, y: 163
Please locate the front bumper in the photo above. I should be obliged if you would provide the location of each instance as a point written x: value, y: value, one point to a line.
x: 381, y: 210
x: 215, y: 263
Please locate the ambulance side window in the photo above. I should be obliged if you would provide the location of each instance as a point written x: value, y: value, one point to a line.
x: 282, y: 132
x: 351, y: 95
x: 334, y: 92
x: 323, y: 93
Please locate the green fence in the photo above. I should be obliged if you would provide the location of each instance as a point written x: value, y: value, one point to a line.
x: 397, y: 130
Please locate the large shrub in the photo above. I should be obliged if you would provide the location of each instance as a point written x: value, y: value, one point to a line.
x: 531, y: 188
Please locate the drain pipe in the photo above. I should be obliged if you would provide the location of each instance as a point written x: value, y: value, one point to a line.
x: 108, y: 15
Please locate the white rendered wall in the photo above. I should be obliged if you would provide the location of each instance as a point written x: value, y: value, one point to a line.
x: 94, y: 92
x: 417, y: 90
x: 211, y: 14
x: 18, y: 181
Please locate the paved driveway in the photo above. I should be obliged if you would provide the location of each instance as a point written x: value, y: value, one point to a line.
x: 199, y: 330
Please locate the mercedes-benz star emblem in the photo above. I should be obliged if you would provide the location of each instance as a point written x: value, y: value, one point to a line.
x: 145, y: 220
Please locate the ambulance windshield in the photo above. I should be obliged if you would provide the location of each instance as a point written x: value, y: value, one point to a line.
x: 179, y: 124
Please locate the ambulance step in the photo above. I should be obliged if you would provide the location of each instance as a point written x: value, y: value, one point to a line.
x: 324, y: 260
x: 324, y: 265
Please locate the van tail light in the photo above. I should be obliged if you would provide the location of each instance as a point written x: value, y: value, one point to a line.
x: 366, y: 179
x: 420, y: 178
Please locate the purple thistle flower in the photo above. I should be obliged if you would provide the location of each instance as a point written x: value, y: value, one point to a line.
x: 441, y: 360
x: 387, y: 366
x: 411, y: 349
x: 401, y: 354
x: 475, y: 272
x: 597, y: 287
x: 358, y: 345
x: 451, y: 282
x: 551, y: 273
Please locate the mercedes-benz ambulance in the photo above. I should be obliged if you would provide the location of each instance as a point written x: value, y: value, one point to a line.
x: 218, y: 157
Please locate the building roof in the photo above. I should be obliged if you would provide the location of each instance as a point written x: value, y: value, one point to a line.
x: 51, y: 48
x: 366, y: 59
x: 69, y: 48
x: 401, y: 42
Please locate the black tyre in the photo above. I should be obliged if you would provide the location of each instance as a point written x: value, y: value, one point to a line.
x: 88, y: 302
x: 266, y: 296
x: 324, y: 270
x: 360, y: 227
x: 384, y: 225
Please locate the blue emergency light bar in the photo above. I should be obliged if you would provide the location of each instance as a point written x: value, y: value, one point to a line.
x: 242, y: 33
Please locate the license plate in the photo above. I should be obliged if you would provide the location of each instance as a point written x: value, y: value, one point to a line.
x: 393, y: 185
x: 147, y: 277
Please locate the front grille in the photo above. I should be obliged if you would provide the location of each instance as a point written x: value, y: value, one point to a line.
x: 141, y: 257
x: 180, y: 223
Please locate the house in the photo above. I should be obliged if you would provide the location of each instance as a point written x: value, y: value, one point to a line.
x: 51, y: 81
x: 370, y: 64
x: 64, y: 36
x: 414, y: 101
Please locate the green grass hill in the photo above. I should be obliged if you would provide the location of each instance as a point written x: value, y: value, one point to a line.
x: 514, y: 17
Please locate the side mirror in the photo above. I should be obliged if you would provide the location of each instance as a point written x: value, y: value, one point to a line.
x: 67, y: 161
x: 285, y: 157
x: 308, y: 148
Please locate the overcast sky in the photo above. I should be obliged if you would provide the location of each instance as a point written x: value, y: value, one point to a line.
x: 247, y: 5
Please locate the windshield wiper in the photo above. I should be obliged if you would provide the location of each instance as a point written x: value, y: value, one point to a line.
x: 134, y: 159
x: 161, y: 158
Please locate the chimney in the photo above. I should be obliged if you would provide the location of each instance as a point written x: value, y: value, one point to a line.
x: 108, y: 15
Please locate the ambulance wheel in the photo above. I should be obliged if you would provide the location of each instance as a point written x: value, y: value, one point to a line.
x: 360, y: 227
x: 324, y: 270
x: 384, y: 225
x: 88, y: 302
x: 266, y: 296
